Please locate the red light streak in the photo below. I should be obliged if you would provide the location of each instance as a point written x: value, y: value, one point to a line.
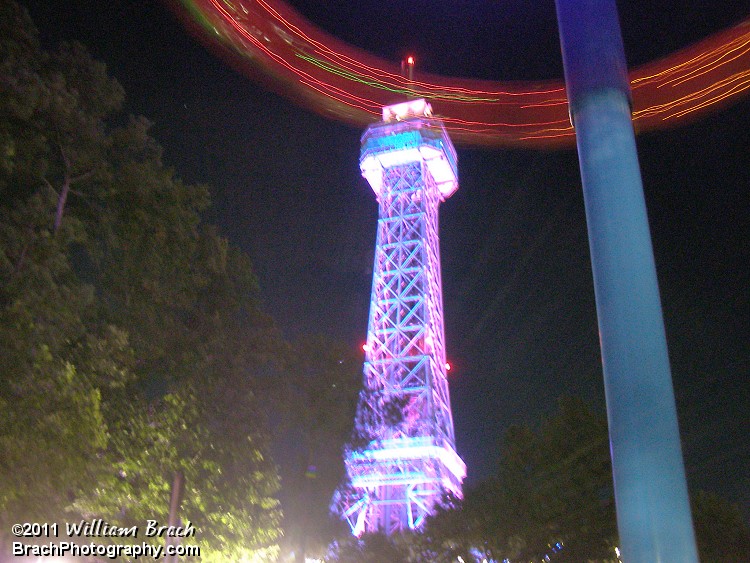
x: 300, y: 61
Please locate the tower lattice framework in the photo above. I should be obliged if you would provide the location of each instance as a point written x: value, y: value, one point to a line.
x: 403, y: 458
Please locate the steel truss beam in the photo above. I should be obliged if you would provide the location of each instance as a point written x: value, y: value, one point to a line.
x: 406, y: 459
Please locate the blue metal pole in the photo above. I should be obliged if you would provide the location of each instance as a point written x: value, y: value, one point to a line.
x: 653, y: 511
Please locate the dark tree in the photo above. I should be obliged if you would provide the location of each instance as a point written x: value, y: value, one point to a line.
x: 723, y: 535
x: 553, y: 486
x: 131, y: 340
x: 315, y: 410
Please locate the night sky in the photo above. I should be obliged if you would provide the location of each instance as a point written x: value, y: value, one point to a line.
x: 519, y: 303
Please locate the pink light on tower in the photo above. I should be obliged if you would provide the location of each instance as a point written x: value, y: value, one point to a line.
x: 403, y: 458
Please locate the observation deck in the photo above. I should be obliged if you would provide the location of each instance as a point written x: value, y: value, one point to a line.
x: 409, y: 134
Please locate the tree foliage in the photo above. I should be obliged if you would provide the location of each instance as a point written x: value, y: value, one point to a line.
x: 551, y: 499
x: 131, y: 342
x: 56, y: 359
x: 374, y: 548
x: 551, y: 496
x: 315, y: 410
x: 229, y: 488
x: 721, y: 531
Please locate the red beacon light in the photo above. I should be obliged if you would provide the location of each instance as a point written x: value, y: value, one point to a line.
x: 407, y: 67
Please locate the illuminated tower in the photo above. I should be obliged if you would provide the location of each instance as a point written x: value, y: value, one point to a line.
x: 404, y: 459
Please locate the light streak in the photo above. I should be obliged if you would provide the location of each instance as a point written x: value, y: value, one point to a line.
x: 335, y: 79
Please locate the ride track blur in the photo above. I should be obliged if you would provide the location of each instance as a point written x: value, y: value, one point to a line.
x: 272, y: 43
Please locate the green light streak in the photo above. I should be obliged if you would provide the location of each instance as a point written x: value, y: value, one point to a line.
x: 354, y: 77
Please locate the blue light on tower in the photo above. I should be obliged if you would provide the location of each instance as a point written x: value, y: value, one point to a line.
x: 404, y: 460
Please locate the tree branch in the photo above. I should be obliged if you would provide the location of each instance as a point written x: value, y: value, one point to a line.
x: 68, y: 181
x: 83, y: 176
x: 49, y: 185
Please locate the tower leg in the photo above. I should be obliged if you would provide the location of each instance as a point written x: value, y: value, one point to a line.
x: 653, y: 511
